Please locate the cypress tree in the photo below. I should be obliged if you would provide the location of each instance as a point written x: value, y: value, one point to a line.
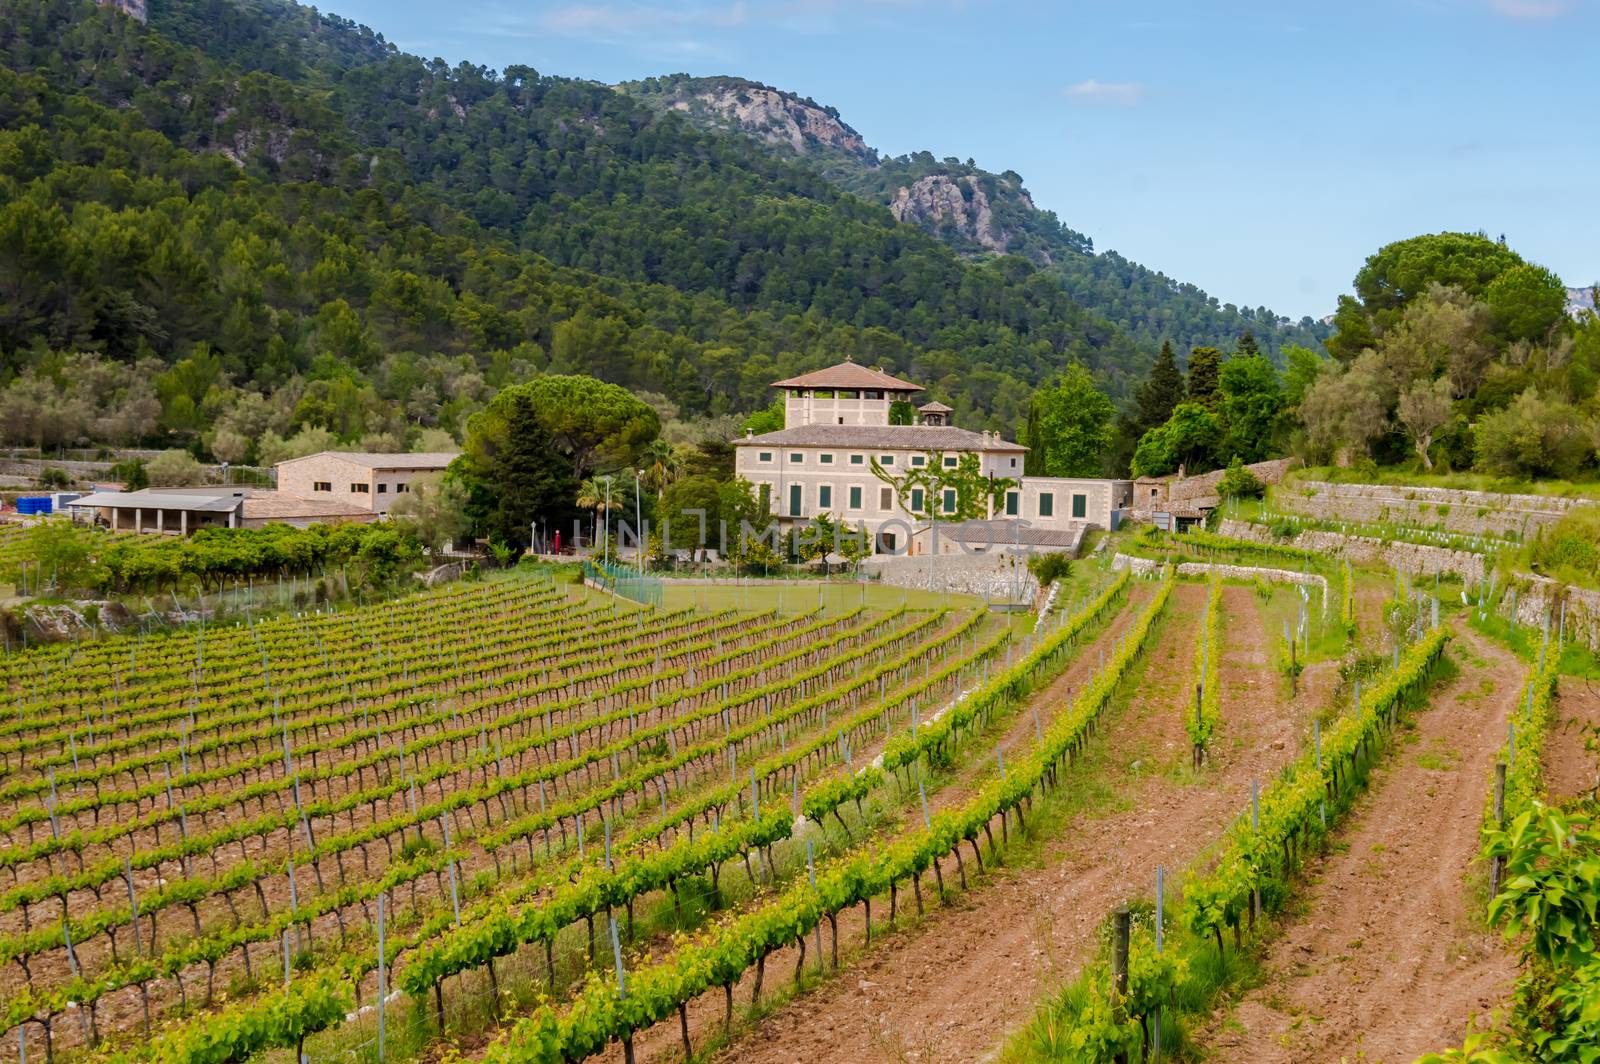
x: 1033, y: 440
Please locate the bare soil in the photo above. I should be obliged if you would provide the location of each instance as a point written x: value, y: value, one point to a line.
x: 1569, y: 769
x: 953, y: 985
x: 1390, y: 958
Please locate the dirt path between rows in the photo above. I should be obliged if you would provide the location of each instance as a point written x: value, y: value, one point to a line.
x: 952, y: 987
x: 1390, y: 959
x: 1021, y: 733
x: 1569, y: 769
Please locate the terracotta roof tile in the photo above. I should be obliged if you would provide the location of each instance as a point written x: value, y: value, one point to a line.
x: 889, y: 437
x: 848, y: 375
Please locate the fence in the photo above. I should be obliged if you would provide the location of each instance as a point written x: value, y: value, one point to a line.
x: 624, y: 580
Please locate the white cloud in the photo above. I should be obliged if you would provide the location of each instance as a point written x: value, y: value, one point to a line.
x: 1531, y: 10
x: 1117, y: 92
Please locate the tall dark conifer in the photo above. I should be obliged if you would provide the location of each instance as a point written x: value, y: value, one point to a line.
x: 1205, y: 370
x: 1161, y: 391
x: 1033, y: 439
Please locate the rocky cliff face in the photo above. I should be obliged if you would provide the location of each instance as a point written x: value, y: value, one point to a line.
x: 972, y: 209
x: 939, y: 201
x: 767, y: 114
x: 134, y: 8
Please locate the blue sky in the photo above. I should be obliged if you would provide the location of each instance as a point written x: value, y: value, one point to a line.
x: 1259, y: 150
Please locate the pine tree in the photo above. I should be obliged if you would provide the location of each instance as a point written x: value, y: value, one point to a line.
x: 1161, y: 391
x: 1248, y: 348
x: 1205, y: 369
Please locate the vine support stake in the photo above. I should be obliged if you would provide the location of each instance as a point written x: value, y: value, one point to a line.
x: 1161, y: 901
x: 383, y: 984
x: 1121, y: 923
x: 1497, y: 863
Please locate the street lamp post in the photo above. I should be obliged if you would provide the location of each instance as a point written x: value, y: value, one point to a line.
x: 605, y: 550
x: 638, y: 521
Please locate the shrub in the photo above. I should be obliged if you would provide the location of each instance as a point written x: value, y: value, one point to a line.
x: 1570, y: 549
x: 1048, y: 568
x: 51, y: 477
x: 1239, y: 483
x: 1533, y: 437
x: 175, y: 468
x: 132, y: 474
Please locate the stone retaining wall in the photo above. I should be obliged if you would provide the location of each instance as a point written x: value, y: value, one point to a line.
x: 1448, y: 509
x: 1539, y: 598
x: 1418, y: 559
x: 1201, y: 491
x: 992, y: 577
x: 1144, y: 566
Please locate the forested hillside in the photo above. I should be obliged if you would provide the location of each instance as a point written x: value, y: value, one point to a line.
x: 976, y: 211
x: 246, y: 219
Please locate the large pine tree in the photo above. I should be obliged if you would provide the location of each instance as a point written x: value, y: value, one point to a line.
x: 1205, y: 370
x: 1161, y: 391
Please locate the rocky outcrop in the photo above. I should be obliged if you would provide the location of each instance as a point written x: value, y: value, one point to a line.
x: 78, y: 620
x: 132, y: 8
x: 770, y: 115
x: 937, y: 201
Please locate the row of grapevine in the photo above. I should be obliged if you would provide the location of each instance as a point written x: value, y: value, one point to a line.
x: 1251, y: 871
x: 602, y: 1013
x: 1201, y: 723
x: 484, y: 925
x: 607, y: 888
x: 249, y: 873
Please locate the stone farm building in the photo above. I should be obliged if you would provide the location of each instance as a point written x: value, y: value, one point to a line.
x: 180, y: 511
x: 328, y: 487
x: 370, y: 482
x: 837, y: 425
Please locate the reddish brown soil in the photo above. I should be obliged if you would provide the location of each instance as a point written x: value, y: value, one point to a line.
x: 951, y: 987
x: 1390, y: 958
x: 1020, y: 734
x: 1569, y: 769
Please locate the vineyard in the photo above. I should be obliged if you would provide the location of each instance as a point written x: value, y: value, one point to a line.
x: 534, y: 821
x: 206, y: 831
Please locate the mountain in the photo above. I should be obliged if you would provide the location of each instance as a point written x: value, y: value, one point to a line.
x: 973, y: 210
x: 258, y: 218
x: 1582, y: 299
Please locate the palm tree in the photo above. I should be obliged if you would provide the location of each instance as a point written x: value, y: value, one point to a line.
x: 662, y: 464
x: 592, y: 496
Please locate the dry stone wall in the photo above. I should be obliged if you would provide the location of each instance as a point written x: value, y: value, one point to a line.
x: 1201, y: 491
x: 1417, y: 559
x: 992, y: 577
x: 1448, y: 509
x: 1540, y: 600
x: 1145, y: 566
